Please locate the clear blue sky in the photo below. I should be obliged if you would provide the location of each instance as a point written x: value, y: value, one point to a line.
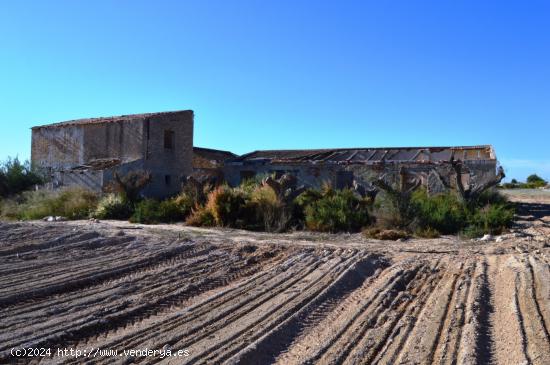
x: 288, y: 74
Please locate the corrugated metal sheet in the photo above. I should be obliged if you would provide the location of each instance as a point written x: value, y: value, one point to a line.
x: 373, y: 155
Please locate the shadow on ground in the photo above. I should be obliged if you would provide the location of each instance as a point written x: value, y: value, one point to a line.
x: 533, y: 211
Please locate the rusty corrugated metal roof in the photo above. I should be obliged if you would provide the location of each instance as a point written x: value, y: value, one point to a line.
x: 372, y: 155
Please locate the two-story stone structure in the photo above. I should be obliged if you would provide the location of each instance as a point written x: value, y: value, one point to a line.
x: 87, y: 152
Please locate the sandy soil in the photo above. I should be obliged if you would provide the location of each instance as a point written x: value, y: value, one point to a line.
x: 228, y: 296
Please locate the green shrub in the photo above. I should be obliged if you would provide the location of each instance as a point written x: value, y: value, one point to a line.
x: 150, y: 211
x: 491, y: 196
x: 392, y: 211
x: 147, y: 212
x: 336, y: 211
x: 443, y: 213
x: 16, y: 177
x: 536, y: 180
x: 472, y: 232
x: 71, y: 203
x: 301, y: 202
x: 492, y: 218
x: 112, y: 206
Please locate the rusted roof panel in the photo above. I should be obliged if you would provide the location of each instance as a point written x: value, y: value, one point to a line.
x: 373, y: 155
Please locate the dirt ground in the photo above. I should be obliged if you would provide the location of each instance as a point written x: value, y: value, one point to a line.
x: 227, y: 296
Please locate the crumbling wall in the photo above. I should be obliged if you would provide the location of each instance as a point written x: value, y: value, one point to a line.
x: 57, y: 148
x: 435, y: 177
x: 88, y: 179
x: 121, y: 139
x: 308, y: 175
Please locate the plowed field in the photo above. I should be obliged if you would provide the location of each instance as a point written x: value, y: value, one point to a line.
x: 238, y: 297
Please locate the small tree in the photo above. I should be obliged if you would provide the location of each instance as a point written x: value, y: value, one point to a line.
x: 17, y: 176
x: 535, y: 181
x: 534, y: 178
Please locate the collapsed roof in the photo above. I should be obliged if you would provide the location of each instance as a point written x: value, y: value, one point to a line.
x: 371, y: 155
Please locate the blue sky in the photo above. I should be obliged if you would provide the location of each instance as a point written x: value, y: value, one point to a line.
x: 288, y: 74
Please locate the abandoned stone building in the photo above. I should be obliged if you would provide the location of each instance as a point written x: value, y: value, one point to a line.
x: 88, y: 152
x: 430, y: 166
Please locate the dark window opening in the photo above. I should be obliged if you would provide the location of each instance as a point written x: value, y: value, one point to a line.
x: 344, y: 179
x: 247, y: 175
x: 169, y: 137
x: 168, y: 180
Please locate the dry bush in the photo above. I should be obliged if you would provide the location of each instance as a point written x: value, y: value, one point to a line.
x: 71, y: 203
x: 385, y: 234
x: 223, y: 208
x: 270, y: 210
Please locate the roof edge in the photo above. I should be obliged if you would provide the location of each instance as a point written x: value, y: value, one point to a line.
x: 214, y: 150
x: 109, y: 119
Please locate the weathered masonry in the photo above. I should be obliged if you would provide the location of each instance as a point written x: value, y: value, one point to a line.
x: 87, y: 152
x: 431, y: 166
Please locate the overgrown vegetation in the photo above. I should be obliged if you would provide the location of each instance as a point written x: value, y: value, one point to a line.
x: 439, y: 214
x: 337, y: 211
x: 273, y: 205
x: 71, y: 203
x: 113, y: 206
x: 17, y: 176
x: 150, y: 211
x: 446, y: 214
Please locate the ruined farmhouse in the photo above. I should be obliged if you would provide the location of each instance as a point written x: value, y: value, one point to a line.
x: 432, y: 167
x: 88, y: 152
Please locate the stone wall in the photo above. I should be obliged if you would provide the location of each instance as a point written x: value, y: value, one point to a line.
x: 314, y: 175
x: 169, y: 166
x: 57, y: 148
x: 121, y: 139
x: 65, y: 151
